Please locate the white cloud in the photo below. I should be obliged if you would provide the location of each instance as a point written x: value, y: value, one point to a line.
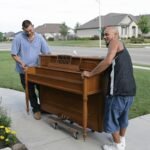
x: 13, y: 12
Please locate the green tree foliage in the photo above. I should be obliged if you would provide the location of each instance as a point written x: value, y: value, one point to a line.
x: 76, y: 27
x: 144, y: 24
x: 1, y: 36
x: 64, y: 30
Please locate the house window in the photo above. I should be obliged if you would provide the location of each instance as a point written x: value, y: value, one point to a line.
x: 124, y: 31
x: 133, y: 30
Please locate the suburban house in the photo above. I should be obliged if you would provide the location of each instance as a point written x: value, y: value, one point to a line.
x: 126, y: 24
x: 9, y: 35
x: 49, y: 30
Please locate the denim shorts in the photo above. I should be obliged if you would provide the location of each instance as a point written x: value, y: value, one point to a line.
x: 116, y: 112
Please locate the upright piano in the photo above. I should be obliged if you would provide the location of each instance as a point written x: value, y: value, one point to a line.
x: 64, y: 92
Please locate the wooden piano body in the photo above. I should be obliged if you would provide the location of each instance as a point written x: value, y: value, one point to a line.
x: 64, y: 92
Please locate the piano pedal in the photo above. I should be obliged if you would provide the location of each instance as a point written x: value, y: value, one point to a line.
x: 56, y: 123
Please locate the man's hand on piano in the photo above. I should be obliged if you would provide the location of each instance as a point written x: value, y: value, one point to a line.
x: 86, y: 74
x: 24, y: 67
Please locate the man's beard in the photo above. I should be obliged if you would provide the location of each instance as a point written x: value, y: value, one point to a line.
x: 107, y: 44
x: 27, y: 34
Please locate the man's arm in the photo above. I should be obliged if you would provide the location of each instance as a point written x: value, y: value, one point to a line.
x: 15, y: 49
x: 104, y: 64
x: 17, y: 59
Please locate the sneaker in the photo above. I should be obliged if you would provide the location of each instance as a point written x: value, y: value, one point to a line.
x: 123, y: 141
x: 37, y: 115
x: 113, y: 147
x: 109, y: 147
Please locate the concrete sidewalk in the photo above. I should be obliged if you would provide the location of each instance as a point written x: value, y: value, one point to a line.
x: 39, y: 135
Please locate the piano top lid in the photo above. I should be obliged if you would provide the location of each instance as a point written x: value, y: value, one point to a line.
x: 81, y: 57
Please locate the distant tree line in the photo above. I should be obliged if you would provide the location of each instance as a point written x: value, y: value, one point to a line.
x: 1, y: 37
x: 144, y: 24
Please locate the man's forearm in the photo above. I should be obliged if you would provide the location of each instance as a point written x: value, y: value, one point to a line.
x: 17, y: 59
x: 100, y: 68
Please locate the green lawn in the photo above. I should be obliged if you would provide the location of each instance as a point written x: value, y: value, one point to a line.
x: 92, y: 43
x: 141, y: 105
x: 80, y: 43
x: 10, y: 79
x: 8, y: 76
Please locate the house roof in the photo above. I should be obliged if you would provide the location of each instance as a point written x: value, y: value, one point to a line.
x: 48, y: 28
x: 111, y: 19
x: 9, y: 34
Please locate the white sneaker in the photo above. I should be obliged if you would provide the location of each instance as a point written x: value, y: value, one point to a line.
x: 110, y: 147
x: 123, y: 141
x: 120, y: 146
x: 114, y: 147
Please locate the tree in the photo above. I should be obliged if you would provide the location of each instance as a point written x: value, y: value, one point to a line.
x: 1, y: 36
x: 76, y: 27
x: 144, y: 24
x: 64, y: 30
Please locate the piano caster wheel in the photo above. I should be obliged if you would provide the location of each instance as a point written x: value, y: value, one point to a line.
x: 71, y: 122
x: 55, y: 125
x: 75, y: 135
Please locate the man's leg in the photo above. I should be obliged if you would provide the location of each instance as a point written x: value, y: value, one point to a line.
x: 111, y: 122
x: 22, y: 79
x: 122, y: 136
x: 116, y: 137
x: 122, y: 132
x: 123, y: 120
x: 32, y: 96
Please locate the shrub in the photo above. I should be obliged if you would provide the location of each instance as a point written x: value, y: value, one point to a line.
x: 95, y: 37
x: 83, y: 38
x: 7, y: 136
x: 137, y: 40
x: 5, y: 120
x: 50, y: 39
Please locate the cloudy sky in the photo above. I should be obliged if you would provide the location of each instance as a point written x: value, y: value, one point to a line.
x: 13, y: 12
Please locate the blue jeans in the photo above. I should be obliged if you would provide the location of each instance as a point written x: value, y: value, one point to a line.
x: 116, y: 112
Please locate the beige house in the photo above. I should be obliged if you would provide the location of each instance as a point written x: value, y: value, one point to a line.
x: 52, y: 30
x: 49, y: 30
x: 9, y: 35
x: 125, y: 23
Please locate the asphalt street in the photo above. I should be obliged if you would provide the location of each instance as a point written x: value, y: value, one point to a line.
x: 140, y: 56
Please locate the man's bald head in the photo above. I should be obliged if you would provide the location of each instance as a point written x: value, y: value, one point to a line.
x: 112, y: 30
x: 110, y: 33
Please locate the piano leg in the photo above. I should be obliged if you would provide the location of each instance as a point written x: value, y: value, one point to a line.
x: 27, y: 93
x: 85, y: 111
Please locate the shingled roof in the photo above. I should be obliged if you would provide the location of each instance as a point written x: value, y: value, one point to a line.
x: 111, y: 19
x: 48, y: 28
